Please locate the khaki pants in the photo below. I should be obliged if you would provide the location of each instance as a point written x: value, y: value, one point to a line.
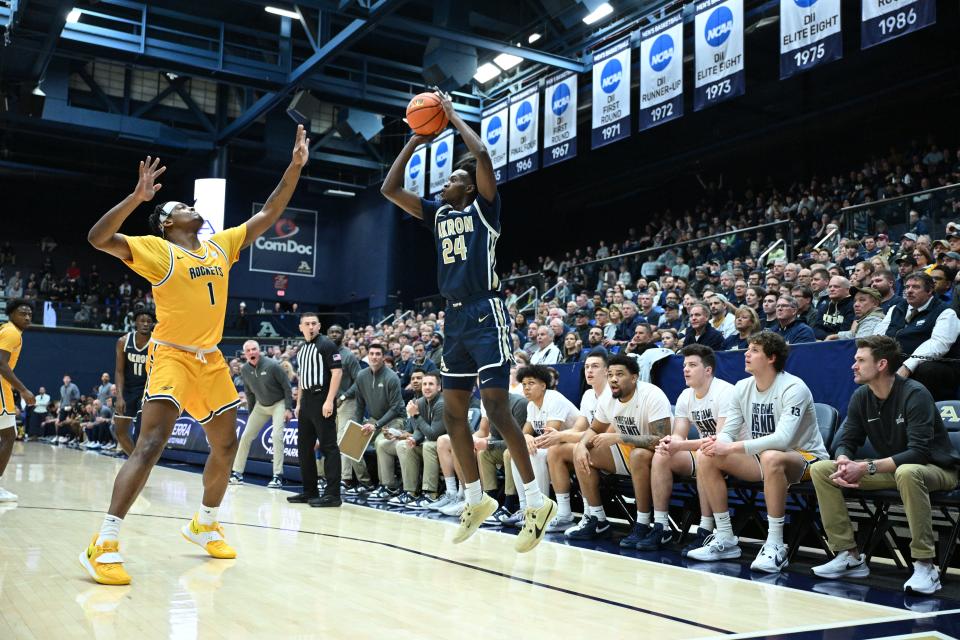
x: 387, y: 455
x: 411, y: 461
x: 913, y: 481
x: 350, y: 468
x: 258, y: 417
x: 488, y: 460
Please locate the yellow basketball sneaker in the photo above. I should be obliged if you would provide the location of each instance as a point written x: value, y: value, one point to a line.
x: 104, y: 562
x: 535, y: 523
x: 210, y: 538
x: 473, y: 516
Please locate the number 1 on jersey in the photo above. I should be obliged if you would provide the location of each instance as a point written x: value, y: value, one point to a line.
x: 213, y: 301
x: 452, y: 248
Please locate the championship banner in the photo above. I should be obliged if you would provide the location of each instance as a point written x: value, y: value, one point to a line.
x: 810, y: 35
x: 611, y: 94
x: 289, y: 247
x: 493, y: 132
x: 661, y: 72
x: 441, y: 162
x: 560, y: 119
x: 524, y: 129
x: 718, y: 30
x: 415, y: 175
x: 884, y: 20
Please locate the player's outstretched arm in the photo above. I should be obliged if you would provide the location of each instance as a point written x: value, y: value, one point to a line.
x: 104, y: 234
x: 277, y: 202
x: 486, y: 180
x: 392, y: 187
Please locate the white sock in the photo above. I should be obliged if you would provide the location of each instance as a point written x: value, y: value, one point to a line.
x: 207, y: 515
x: 110, y: 529
x: 474, y: 493
x: 596, y: 512
x: 775, y: 529
x: 662, y: 517
x: 706, y: 522
x: 724, y: 526
x: 531, y: 491
x: 563, y: 505
x: 451, y: 484
x: 522, y: 497
x: 643, y: 518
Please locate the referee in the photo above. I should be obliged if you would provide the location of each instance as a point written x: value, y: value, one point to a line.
x: 319, y: 367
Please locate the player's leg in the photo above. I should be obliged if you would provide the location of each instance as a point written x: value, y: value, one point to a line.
x: 204, y: 529
x: 255, y: 421
x: 780, y: 470
x: 8, y: 435
x: 594, y: 522
x: 559, y: 464
x: 479, y: 506
x: 711, y: 482
x: 663, y: 468
x: 102, y: 558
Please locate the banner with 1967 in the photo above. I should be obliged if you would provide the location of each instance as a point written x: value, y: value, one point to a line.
x: 560, y: 118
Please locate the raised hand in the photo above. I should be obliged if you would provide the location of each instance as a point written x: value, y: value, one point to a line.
x: 445, y: 102
x: 301, y: 148
x: 150, y: 170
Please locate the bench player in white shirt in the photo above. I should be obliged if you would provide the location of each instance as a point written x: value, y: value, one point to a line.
x: 783, y: 442
x: 548, y: 413
x: 702, y: 404
x: 562, y: 444
x: 629, y: 422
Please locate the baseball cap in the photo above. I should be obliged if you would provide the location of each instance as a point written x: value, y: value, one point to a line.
x: 870, y: 291
x: 953, y: 255
x: 670, y: 304
x: 882, y: 236
x: 909, y: 236
x: 907, y: 259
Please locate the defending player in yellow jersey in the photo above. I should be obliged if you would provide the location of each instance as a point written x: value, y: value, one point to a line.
x: 185, y: 370
x: 20, y: 313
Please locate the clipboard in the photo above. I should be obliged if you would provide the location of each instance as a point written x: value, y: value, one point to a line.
x: 353, y: 442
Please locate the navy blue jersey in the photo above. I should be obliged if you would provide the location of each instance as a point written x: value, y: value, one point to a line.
x: 135, y: 364
x: 466, y: 246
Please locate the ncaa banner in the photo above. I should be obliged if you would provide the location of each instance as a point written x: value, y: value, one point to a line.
x: 493, y: 132
x: 415, y: 176
x: 441, y: 162
x: 524, y: 127
x: 885, y: 20
x: 810, y: 35
x: 560, y: 119
x: 290, y: 247
x: 718, y: 30
x: 661, y: 72
x: 611, y: 94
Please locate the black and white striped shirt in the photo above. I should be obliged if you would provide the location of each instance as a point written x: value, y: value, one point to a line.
x: 315, y: 361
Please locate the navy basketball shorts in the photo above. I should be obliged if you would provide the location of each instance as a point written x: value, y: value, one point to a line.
x: 133, y: 401
x: 476, y: 343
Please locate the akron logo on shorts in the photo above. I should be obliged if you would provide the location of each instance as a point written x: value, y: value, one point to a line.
x: 443, y: 366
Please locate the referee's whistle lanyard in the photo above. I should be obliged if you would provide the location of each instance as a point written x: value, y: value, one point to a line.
x: 199, y: 352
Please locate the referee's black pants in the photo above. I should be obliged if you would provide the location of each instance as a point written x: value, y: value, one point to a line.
x: 311, y: 427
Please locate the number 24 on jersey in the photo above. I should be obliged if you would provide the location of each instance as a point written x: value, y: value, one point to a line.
x: 453, y: 248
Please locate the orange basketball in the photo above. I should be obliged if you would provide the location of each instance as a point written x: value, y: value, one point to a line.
x: 425, y: 115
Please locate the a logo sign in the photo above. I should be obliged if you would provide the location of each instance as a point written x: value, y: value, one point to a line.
x: 415, y: 178
x: 494, y: 129
x: 441, y: 161
x: 524, y: 116
x: 661, y: 53
x: 560, y: 118
x: 289, y: 443
x: 416, y: 165
x: 443, y: 153
x: 524, y: 139
x: 719, y: 26
x: 560, y: 99
x: 289, y: 247
x: 611, y: 75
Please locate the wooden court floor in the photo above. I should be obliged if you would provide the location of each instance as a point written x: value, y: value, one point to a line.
x: 352, y: 573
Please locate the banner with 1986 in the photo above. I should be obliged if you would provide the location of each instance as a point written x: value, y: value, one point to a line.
x: 885, y: 20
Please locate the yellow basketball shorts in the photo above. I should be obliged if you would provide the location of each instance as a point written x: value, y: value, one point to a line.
x: 7, y: 405
x: 202, y: 389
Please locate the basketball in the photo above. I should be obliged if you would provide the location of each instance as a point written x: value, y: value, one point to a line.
x: 425, y: 114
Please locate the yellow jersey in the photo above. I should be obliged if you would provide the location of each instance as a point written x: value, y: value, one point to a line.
x: 11, y: 340
x: 189, y: 287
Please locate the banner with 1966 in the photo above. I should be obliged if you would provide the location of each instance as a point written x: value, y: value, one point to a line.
x: 524, y: 133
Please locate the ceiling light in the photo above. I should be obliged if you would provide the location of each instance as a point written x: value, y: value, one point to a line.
x: 486, y: 72
x: 600, y: 12
x: 506, y: 61
x: 533, y: 38
x: 339, y: 193
x: 37, y: 91
x: 286, y: 13
x: 74, y: 16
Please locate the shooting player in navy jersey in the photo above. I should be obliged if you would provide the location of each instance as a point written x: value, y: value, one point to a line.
x: 466, y: 224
